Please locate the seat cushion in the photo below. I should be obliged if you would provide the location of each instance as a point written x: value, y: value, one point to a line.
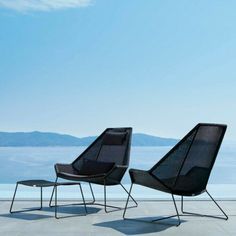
x: 91, y: 167
x: 67, y: 171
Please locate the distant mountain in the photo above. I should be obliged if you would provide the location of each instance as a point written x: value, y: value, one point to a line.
x: 39, y: 139
x: 139, y: 139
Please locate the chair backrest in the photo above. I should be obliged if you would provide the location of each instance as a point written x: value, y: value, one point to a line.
x: 187, y: 166
x: 113, y: 145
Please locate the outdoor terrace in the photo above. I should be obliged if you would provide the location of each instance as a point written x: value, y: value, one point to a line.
x: 97, y: 222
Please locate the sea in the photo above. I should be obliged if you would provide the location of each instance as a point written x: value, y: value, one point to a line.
x: 22, y: 163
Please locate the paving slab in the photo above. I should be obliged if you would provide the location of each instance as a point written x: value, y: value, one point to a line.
x: 97, y: 222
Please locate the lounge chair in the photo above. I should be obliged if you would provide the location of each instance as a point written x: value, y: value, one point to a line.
x: 185, y: 169
x: 104, y: 162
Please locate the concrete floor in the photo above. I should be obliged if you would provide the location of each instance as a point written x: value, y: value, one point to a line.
x: 97, y: 222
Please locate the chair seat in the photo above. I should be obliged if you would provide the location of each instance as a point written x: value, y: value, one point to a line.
x: 67, y: 171
x: 144, y: 178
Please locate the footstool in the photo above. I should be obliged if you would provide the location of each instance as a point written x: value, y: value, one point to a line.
x: 39, y: 183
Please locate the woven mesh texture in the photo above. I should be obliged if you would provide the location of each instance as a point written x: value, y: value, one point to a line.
x: 116, y: 153
x: 186, y: 167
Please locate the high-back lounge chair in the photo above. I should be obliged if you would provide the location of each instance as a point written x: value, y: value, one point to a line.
x: 186, y: 168
x: 104, y: 162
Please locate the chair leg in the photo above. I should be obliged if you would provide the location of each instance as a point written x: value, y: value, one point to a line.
x: 13, y: 199
x: 105, y: 202
x: 105, y: 198
x: 196, y: 214
x: 177, y: 213
x: 90, y: 186
x: 56, y: 205
x: 176, y: 210
x: 85, y: 207
x: 115, y: 207
x: 55, y: 201
x: 129, y: 194
x: 182, y: 204
x: 159, y: 219
x: 226, y: 217
x: 168, y: 217
x: 41, y: 197
x: 93, y: 196
x: 50, y: 202
x: 105, y: 205
x: 32, y: 209
x: 136, y: 204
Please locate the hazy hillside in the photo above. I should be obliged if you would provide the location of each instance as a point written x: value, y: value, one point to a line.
x: 37, y: 139
x: 149, y: 140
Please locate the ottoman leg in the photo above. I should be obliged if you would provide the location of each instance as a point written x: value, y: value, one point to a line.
x: 32, y: 209
x: 13, y: 199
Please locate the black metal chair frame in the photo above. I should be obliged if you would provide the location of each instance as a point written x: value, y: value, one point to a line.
x: 93, y: 202
x: 56, y: 206
x: 168, y: 190
x: 184, y: 213
x: 105, y: 179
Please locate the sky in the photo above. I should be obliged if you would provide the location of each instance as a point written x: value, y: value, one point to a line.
x: 79, y: 66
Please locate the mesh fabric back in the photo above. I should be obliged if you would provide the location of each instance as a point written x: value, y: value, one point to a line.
x: 113, y: 153
x: 188, y: 165
x: 118, y: 154
x: 90, y: 153
x: 168, y: 168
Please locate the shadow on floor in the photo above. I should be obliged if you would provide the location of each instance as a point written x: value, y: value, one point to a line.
x: 26, y: 216
x: 139, y: 225
x: 65, y: 211
x: 72, y: 209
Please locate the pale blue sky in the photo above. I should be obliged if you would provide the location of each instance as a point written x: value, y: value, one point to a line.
x: 158, y: 66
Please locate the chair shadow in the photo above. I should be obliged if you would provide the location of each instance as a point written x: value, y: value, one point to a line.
x: 139, y: 225
x: 73, y: 209
x: 25, y: 216
x: 70, y: 211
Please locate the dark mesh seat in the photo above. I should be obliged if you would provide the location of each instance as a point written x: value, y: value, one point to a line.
x: 104, y: 162
x: 186, y: 168
x: 67, y: 171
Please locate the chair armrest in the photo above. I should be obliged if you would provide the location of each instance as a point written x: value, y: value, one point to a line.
x: 61, y: 167
x: 137, y: 174
x: 116, y: 173
x: 147, y: 179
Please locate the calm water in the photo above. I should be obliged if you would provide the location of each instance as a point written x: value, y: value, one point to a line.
x: 38, y: 162
x: 18, y: 163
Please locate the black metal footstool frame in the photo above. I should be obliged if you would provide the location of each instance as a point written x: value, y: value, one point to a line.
x: 41, y: 184
x: 55, y: 190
